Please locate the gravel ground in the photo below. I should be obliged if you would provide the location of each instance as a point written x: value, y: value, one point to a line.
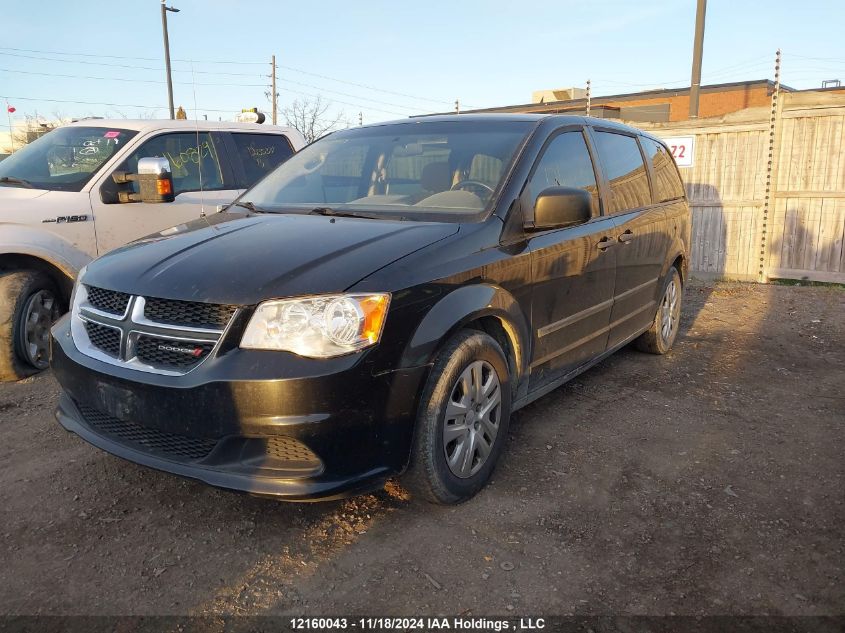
x: 709, y: 481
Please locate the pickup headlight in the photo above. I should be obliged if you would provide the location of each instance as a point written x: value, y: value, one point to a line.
x: 74, y: 295
x: 318, y: 327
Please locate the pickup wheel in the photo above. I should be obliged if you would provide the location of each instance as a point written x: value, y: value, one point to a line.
x: 29, y: 304
x: 658, y: 339
x: 462, y: 423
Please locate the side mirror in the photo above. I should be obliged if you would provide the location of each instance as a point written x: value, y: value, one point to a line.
x: 558, y: 207
x: 154, y: 178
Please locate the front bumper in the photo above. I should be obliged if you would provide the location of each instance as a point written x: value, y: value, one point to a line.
x: 266, y: 423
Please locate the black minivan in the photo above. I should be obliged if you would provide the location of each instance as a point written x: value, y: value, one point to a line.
x: 379, y: 304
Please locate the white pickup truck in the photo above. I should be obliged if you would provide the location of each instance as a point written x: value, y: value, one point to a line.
x: 61, y: 206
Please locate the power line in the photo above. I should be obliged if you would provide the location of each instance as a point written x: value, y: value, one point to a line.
x: 102, y: 103
x: 125, y: 79
x: 206, y: 72
x: 365, y: 86
x: 132, y: 66
x: 146, y: 59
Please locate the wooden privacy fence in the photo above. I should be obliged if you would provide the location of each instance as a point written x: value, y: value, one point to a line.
x: 792, y: 229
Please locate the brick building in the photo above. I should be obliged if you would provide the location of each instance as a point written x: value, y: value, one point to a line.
x: 652, y: 105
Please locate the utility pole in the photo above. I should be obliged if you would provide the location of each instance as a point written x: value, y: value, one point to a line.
x: 164, y: 10
x: 588, y: 97
x: 275, y: 94
x: 697, y: 52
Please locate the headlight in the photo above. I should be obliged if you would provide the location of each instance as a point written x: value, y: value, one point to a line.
x: 318, y: 327
x: 75, y: 293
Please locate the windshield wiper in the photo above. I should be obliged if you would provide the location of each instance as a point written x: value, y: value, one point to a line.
x: 11, y: 180
x: 249, y: 206
x: 341, y: 214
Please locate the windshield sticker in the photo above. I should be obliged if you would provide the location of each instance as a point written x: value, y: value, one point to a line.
x: 111, y: 134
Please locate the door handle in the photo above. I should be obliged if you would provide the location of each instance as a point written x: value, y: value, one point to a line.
x: 626, y: 237
x: 605, y: 243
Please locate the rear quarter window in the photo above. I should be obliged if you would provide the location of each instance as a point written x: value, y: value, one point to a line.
x: 260, y: 154
x: 625, y: 170
x: 667, y: 182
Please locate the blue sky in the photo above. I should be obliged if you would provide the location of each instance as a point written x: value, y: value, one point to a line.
x: 392, y: 59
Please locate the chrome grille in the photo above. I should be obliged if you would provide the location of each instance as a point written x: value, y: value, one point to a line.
x: 148, y: 439
x: 148, y: 333
x: 161, y: 352
x: 108, y: 300
x: 104, y: 337
x: 193, y: 313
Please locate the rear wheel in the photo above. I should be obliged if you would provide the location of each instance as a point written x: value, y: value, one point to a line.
x: 463, y: 420
x: 29, y: 304
x: 660, y: 337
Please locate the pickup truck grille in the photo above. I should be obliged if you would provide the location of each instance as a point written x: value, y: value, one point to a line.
x: 149, y: 334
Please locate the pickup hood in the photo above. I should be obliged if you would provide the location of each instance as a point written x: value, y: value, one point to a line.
x: 236, y: 259
x: 16, y: 194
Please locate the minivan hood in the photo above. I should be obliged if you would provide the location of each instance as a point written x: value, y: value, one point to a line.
x: 236, y: 259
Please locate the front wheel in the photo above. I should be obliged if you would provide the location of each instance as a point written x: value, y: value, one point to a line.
x: 660, y: 337
x: 29, y: 304
x: 463, y: 420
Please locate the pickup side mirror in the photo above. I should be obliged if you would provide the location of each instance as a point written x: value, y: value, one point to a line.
x: 154, y: 178
x: 558, y: 207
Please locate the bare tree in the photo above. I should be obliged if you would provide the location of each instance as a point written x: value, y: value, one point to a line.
x: 310, y: 118
x: 35, y: 127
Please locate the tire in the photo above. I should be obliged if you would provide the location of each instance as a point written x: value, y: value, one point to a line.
x: 660, y: 337
x: 429, y: 473
x: 24, y: 348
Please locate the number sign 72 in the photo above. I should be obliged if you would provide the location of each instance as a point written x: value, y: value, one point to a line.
x: 683, y: 149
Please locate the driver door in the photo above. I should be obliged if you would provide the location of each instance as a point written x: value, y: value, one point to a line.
x: 202, y: 179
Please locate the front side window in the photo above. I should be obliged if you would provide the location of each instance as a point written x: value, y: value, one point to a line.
x: 260, y: 154
x: 415, y: 170
x: 667, y: 183
x: 623, y: 165
x: 193, y: 159
x: 64, y: 159
x: 566, y: 162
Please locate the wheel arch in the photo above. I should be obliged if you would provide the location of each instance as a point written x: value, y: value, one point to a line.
x: 676, y: 256
x: 61, y: 275
x: 485, y: 307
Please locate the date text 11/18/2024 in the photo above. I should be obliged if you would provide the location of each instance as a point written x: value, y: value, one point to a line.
x: 455, y: 623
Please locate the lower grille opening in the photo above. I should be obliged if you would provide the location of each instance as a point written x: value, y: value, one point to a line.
x: 166, y: 353
x: 104, y: 338
x: 148, y: 439
x: 293, y: 453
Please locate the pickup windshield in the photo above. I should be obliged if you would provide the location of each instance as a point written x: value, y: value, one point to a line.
x: 417, y: 170
x: 64, y: 159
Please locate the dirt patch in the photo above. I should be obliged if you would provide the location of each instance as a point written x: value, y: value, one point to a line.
x: 708, y: 481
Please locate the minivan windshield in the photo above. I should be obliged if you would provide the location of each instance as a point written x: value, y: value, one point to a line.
x: 64, y: 159
x: 418, y: 170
